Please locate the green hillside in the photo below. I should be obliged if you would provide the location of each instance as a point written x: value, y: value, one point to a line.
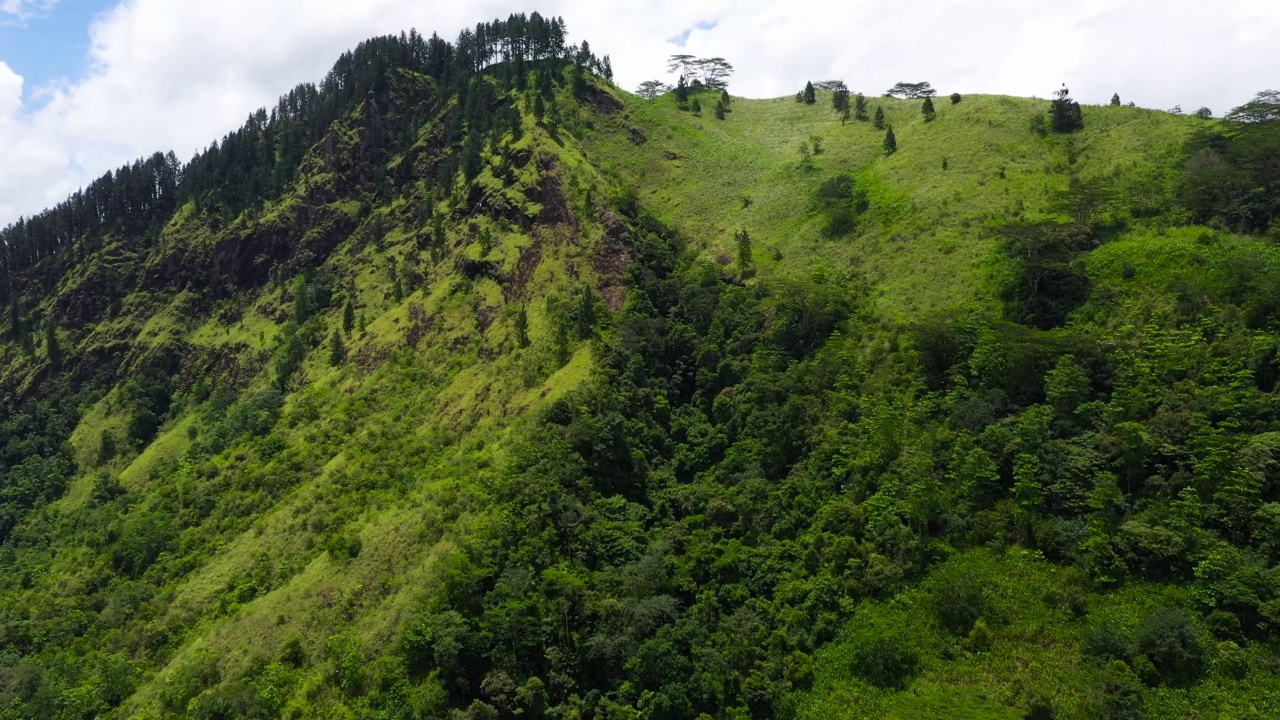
x: 468, y: 385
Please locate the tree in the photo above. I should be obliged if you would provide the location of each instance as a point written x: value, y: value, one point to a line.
x: 714, y: 72
x: 15, y: 317
x: 927, y: 110
x: 840, y: 101
x: 682, y: 92
x: 1172, y: 644
x: 1263, y: 109
x: 52, y: 349
x: 522, y: 327
x: 337, y: 350
x: 711, y: 73
x: 719, y: 109
x: 1204, y: 113
x: 539, y: 108
x: 956, y: 98
x: 890, y: 143
x: 1115, y: 100
x: 1064, y: 113
x: 860, y: 108
x: 1083, y: 199
x: 696, y: 107
x: 682, y: 64
x: 650, y: 89
x: 348, y: 318
x: 743, y: 240
x: 911, y: 91
x: 810, y: 96
x: 724, y: 98
x: 879, y: 121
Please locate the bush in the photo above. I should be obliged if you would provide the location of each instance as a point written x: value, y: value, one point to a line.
x: 1039, y: 706
x: 1105, y: 643
x: 1122, y: 695
x: 1231, y: 661
x: 958, y: 603
x: 886, y: 661
x: 956, y: 98
x: 1173, y: 645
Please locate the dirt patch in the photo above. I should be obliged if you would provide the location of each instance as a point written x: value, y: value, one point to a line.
x: 602, y: 101
x: 419, y: 325
x: 610, y: 259
x: 530, y: 258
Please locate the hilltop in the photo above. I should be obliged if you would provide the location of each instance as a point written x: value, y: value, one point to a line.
x: 466, y: 384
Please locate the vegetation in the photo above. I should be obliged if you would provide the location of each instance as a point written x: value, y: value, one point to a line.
x: 483, y: 389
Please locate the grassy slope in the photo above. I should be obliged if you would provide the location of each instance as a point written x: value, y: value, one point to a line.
x: 394, y: 447
x: 436, y: 420
x: 1035, y: 645
x: 922, y: 244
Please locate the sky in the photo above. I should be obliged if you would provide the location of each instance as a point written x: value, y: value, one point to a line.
x: 88, y: 85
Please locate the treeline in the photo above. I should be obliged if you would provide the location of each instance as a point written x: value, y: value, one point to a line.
x: 1233, y: 175
x: 133, y: 200
x: 259, y: 160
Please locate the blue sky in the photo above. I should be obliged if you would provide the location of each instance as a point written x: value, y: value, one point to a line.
x: 175, y: 75
x: 51, y: 44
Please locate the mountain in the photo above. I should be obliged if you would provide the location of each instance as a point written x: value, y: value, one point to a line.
x: 467, y: 385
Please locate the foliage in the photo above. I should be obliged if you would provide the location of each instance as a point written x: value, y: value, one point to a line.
x: 1065, y: 115
x: 911, y: 91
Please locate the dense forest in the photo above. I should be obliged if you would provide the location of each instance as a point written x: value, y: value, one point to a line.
x: 466, y: 385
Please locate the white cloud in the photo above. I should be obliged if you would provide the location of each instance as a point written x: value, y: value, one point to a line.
x: 176, y: 75
x: 22, y: 9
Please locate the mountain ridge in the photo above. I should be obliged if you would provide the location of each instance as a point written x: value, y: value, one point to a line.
x: 512, y: 394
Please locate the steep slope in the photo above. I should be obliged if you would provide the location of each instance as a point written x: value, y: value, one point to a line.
x: 477, y: 389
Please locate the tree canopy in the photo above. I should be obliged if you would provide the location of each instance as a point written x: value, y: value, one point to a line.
x: 911, y: 91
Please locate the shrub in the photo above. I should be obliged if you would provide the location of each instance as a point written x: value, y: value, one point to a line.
x: 886, y: 661
x: 1039, y: 706
x: 1122, y: 695
x: 956, y: 98
x: 1172, y: 644
x: 1105, y: 643
x: 958, y: 603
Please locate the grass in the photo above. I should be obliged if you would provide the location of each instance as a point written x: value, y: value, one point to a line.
x: 397, y: 445
x: 1035, y: 646
x: 922, y: 243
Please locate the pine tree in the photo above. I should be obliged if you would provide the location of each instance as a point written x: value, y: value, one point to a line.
x: 719, y: 109
x: 15, y: 318
x: 840, y: 101
x: 539, y: 109
x: 810, y: 96
x: 890, y: 143
x: 879, y: 121
x: 52, y: 349
x: 348, y: 318
x: 1115, y: 100
x: 1064, y: 112
x: 725, y: 99
x: 522, y: 327
x: 337, y: 350
x: 682, y: 92
x: 860, y: 107
x: 696, y: 107
x: 927, y: 110
x: 743, y: 240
